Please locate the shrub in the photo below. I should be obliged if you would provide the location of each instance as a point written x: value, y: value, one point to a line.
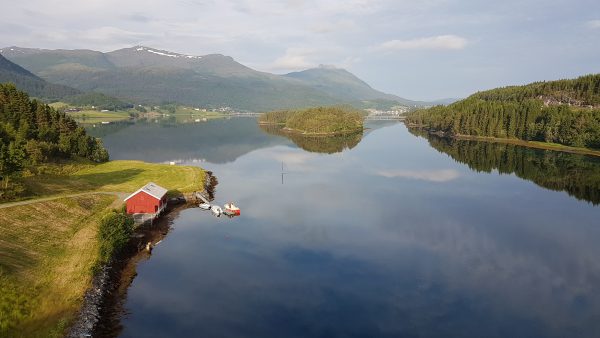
x: 115, y: 231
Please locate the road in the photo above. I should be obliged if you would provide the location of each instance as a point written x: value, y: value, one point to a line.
x: 121, y: 196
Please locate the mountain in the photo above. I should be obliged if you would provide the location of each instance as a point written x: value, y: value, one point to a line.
x: 566, y: 112
x: 32, y: 84
x: 156, y: 76
x: 340, y: 83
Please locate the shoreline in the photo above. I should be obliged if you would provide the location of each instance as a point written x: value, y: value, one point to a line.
x: 102, y: 305
x: 519, y: 142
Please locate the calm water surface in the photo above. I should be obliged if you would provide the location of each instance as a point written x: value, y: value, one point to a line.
x: 392, y: 238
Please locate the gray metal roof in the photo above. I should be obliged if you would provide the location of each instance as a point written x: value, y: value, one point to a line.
x: 151, y: 189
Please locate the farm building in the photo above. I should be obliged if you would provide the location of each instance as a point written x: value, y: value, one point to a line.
x: 149, y: 199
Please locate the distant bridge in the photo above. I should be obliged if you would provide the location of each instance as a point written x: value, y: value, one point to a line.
x: 385, y: 118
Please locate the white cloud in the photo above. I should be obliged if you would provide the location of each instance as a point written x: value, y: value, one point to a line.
x: 443, y: 175
x: 344, y: 26
x: 432, y: 42
x: 593, y: 24
x: 294, y: 59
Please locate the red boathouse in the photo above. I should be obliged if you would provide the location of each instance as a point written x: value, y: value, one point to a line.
x: 149, y: 199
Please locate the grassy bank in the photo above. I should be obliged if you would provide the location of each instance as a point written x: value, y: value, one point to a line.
x: 117, y: 176
x: 47, y: 251
x: 48, y: 248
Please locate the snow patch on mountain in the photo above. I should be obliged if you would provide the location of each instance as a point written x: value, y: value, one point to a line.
x: 167, y: 54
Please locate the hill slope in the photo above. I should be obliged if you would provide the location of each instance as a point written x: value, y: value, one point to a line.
x: 33, y: 133
x: 565, y: 112
x: 35, y: 86
x: 156, y: 76
x: 340, y: 83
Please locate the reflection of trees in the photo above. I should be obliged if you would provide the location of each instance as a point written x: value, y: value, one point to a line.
x: 578, y: 175
x: 317, y: 144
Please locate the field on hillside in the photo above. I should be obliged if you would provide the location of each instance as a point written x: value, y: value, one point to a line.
x: 117, y: 176
x: 95, y: 116
x: 47, y: 251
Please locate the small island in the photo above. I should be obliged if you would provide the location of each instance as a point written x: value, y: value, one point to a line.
x: 318, y: 121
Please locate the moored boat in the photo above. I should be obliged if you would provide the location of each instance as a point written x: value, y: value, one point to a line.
x: 204, y: 206
x: 231, y: 209
x: 216, y: 210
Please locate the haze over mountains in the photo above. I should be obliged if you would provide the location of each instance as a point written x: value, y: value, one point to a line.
x: 153, y: 76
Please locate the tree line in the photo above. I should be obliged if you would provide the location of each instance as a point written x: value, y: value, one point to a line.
x: 564, y: 112
x: 32, y: 133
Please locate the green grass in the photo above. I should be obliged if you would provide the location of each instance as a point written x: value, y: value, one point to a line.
x: 95, y: 116
x: 115, y: 176
x: 47, y: 251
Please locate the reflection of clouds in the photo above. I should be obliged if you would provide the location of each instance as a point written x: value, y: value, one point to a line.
x: 298, y: 160
x: 443, y: 175
x: 397, y: 246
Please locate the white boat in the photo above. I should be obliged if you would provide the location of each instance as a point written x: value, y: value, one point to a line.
x: 231, y: 209
x: 204, y: 206
x: 216, y: 210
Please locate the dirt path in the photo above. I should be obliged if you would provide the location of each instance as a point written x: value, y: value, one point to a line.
x: 120, y: 195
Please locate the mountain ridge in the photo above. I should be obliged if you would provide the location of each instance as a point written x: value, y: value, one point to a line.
x: 153, y: 75
x: 29, y: 82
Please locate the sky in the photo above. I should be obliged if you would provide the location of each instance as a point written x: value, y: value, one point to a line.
x: 420, y: 50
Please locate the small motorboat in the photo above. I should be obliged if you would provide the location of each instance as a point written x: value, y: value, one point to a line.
x: 231, y: 209
x: 204, y: 206
x: 216, y: 210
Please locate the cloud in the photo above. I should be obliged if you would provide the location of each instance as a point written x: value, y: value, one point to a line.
x: 593, y: 24
x: 443, y: 175
x: 136, y: 17
x: 432, y: 42
x: 334, y: 27
x: 294, y: 59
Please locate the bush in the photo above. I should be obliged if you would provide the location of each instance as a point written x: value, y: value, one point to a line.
x: 115, y: 231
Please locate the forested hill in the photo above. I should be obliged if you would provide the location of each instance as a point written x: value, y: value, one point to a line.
x: 565, y: 112
x: 35, y: 86
x: 32, y: 132
x: 583, y: 91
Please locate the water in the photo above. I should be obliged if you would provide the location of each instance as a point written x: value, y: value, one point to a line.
x: 395, y: 237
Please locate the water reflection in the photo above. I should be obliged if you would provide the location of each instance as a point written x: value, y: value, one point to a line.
x: 390, y: 238
x: 578, y: 175
x: 216, y: 141
x: 317, y: 144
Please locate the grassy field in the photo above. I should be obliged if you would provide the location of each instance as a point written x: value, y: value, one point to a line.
x: 181, y: 114
x: 95, y: 116
x: 117, y: 176
x: 47, y: 250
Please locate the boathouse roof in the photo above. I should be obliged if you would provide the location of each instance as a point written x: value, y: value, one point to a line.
x: 151, y: 189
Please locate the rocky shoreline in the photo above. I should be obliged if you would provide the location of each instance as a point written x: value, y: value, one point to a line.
x: 89, y: 315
